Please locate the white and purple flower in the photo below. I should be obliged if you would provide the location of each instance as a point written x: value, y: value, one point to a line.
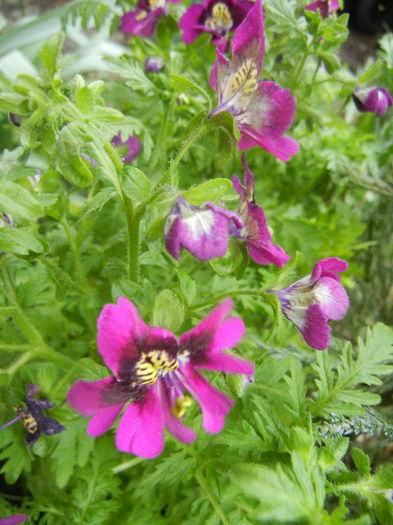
x: 202, y: 230
x: 376, y: 100
x: 153, y: 369
x: 255, y: 230
x: 143, y: 20
x: 133, y: 144
x: 313, y: 301
x: 263, y: 111
x: 154, y: 64
x: 218, y: 17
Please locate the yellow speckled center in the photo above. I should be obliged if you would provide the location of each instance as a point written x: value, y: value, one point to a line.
x: 151, y: 363
x: 221, y: 19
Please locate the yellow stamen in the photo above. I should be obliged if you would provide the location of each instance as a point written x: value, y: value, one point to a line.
x: 141, y: 15
x: 181, y: 405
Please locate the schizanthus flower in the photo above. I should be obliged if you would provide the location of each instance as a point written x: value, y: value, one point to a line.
x: 375, y: 100
x: 143, y: 20
x: 202, y: 230
x: 133, y: 144
x: 263, y: 111
x: 13, y: 520
x: 313, y: 301
x: 326, y: 7
x: 154, y: 64
x: 153, y: 369
x: 218, y: 17
x: 255, y: 230
x: 33, y: 418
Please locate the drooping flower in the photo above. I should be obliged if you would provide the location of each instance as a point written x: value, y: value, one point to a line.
x: 153, y: 369
x: 202, y: 230
x: 154, y: 64
x: 13, y: 520
x: 255, y: 230
x: 34, y: 421
x: 326, y: 7
x: 313, y: 301
x: 263, y: 111
x: 144, y: 19
x: 133, y: 144
x: 376, y: 100
x: 218, y: 17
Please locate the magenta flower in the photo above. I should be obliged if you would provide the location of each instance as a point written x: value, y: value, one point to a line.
x: 263, y: 111
x: 218, y: 17
x: 255, y: 230
x: 133, y: 144
x: 13, y: 520
x: 152, y: 369
x: 313, y: 301
x: 325, y: 7
x: 144, y: 19
x: 375, y: 100
x: 202, y: 230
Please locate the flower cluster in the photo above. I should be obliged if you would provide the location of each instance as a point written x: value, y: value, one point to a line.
x: 153, y: 369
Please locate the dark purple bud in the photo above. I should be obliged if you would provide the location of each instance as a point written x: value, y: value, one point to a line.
x: 154, y: 64
x: 133, y: 144
x: 376, y: 100
x: 15, y: 119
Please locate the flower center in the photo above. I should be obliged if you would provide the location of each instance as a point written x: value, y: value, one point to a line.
x: 154, y: 4
x: 221, y: 20
x: 28, y: 420
x: 153, y: 364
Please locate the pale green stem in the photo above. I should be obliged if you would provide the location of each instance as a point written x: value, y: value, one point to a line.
x: 127, y: 465
x: 211, y: 497
x: 217, y: 298
x: 24, y: 358
x: 75, y: 251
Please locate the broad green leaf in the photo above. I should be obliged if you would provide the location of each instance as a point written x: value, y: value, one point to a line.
x: 136, y: 185
x: 168, y: 311
x: 50, y: 52
x: 211, y: 190
x: 18, y: 201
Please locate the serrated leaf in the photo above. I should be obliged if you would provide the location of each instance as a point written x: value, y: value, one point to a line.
x: 19, y: 241
x: 18, y: 201
x: 211, y: 190
x: 84, y: 100
x: 99, y: 200
x: 50, y: 52
x: 362, y: 461
x: 136, y: 185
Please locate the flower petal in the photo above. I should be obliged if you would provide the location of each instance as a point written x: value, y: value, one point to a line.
x: 227, y: 334
x: 188, y: 22
x: 230, y: 363
x: 119, y: 329
x: 102, y: 421
x: 13, y: 520
x: 316, y: 329
x: 249, y: 37
x: 327, y: 268
x: 141, y: 429
x: 173, y: 424
x: 214, y: 404
x: 332, y: 298
x: 87, y: 397
x: 133, y: 24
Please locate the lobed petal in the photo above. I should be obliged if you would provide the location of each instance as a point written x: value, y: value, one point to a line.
x: 119, y: 330
x: 332, y: 298
x: 316, y: 329
x: 188, y: 23
x: 267, y: 253
x: 102, y: 421
x: 227, y: 335
x: 229, y: 363
x: 281, y: 147
x: 13, y: 520
x: 249, y: 37
x: 142, y: 27
x: 327, y: 268
x: 214, y: 404
x: 141, y: 429
x: 87, y: 397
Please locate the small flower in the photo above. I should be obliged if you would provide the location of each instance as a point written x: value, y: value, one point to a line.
x: 255, y: 230
x: 154, y: 64
x: 218, y: 17
x: 263, y: 111
x: 202, y: 230
x: 153, y: 370
x: 89, y: 159
x: 326, y: 7
x: 13, y: 520
x: 375, y: 100
x: 133, y: 144
x: 33, y: 418
x: 143, y: 20
x: 313, y: 301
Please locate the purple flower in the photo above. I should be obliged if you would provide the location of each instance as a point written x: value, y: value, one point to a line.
x: 89, y: 159
x: 202, y: 230
x: 375, y: 100
x: 33, y: 418
x: 143, y: 20
x: 153, y: 369
x: 154, y: 64
x: 13, y: 520
x: 133, y: 143
x: 218, y: 17
x: 255, y: 230
x: 263, y: 111
x: 313, y: 301
x: 325, y: 7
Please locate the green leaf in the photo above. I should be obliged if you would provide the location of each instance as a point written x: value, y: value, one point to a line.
x: 225, y: 149
x: 187, y: 286
x: 136, y: 185
x: 227, y: 121
x: 19, y: 241
x: 191, y: 84
x: 84, y: 100
x: 371, y: 73
x: 362, y: 462
x: 211, y: 190
x: 168, y: 311
x: 50, y: 52
x: 72, y: 166
x: 19, y: 202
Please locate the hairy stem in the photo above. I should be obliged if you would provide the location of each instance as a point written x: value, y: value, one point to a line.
x: 211, y: 497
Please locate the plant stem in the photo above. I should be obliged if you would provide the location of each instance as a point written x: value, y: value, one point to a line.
x: 133, y: 245
x: 75, y: 252
x: 127, y: 465
x: 211, y: 497
x: 217, y: 298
